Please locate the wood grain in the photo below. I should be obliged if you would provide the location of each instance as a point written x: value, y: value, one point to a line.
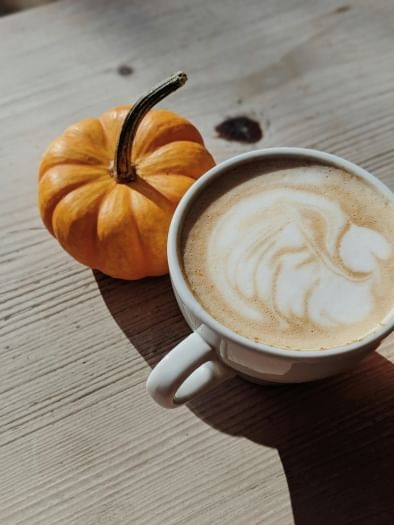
x: 80, y: 440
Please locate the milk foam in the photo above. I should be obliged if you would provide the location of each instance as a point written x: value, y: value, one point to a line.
x: 285, y: 259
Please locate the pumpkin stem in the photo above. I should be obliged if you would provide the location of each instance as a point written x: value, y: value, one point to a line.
x: 124, y: 170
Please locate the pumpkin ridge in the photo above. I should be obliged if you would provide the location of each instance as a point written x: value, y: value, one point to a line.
x: 100, y: 203
x: 137, y: 229
x: 166, y: 132
x: 105, y: 134
x: 103, y: 169
x: 142, y: 186
x: 47, y: 214
x: 172, y: 157
x: 64, y: 162
x: 146, y: 154
x: 109, y: 141
x: 156, y: 179
x: 70, y: 193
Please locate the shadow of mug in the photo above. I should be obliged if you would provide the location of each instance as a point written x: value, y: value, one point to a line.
x: 335, y: 437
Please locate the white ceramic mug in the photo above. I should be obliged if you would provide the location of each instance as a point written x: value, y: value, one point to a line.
x: 213, y: 352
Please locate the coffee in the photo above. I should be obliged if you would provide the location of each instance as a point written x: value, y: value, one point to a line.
x: 292, y: 254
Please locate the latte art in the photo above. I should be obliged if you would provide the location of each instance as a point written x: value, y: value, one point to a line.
x: 296, y: 257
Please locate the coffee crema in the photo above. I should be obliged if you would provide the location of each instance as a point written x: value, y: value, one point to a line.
x: 294, y: 255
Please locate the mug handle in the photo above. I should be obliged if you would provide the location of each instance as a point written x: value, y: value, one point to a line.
x: 189, y: 369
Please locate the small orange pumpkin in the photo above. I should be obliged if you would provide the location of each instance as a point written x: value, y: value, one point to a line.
x: 108, y: 187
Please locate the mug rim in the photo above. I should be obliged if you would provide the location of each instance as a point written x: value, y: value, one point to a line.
x: 175, y: 264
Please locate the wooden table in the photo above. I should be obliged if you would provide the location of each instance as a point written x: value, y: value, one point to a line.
x: 81, y: 441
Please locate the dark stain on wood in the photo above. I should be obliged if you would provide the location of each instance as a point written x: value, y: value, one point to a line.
x: 240, y: 129
x: 343, y: 9
x: 124, y: 70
